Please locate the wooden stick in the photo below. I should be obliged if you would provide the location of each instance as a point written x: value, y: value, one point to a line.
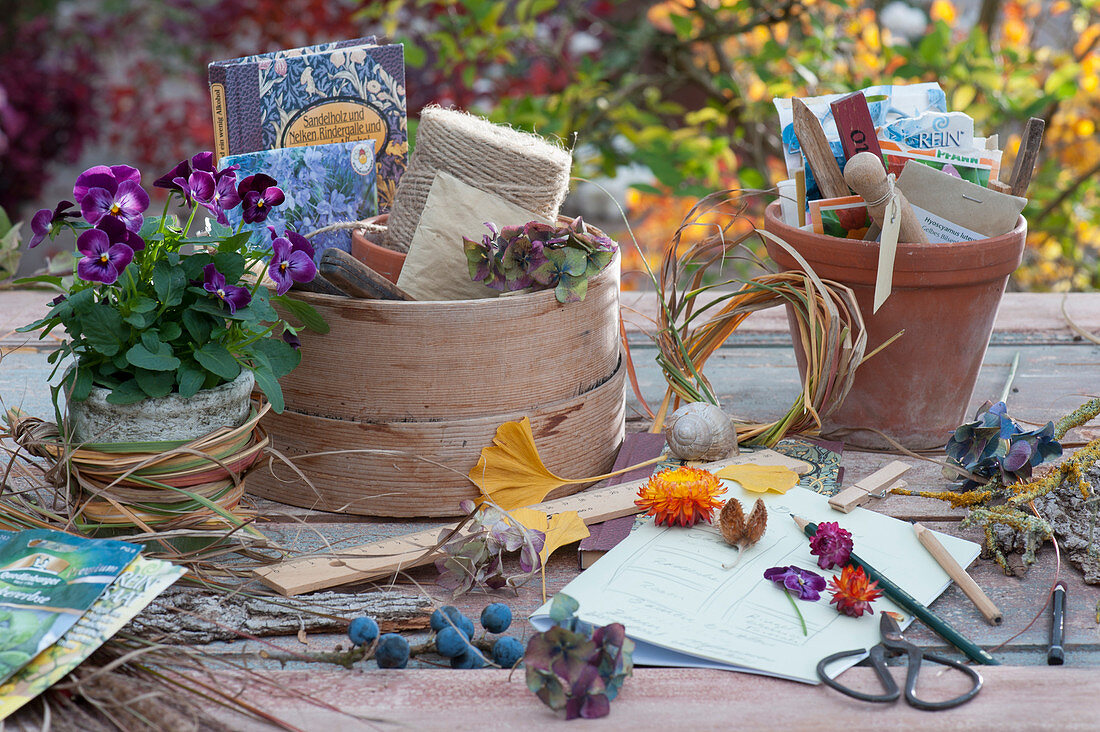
x: 807, y: 128
x: 965, y: 582
x: 357, y: 279
x: 1026, y: 157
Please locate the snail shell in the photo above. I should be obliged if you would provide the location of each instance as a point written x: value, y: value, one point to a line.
x: 700, y: 431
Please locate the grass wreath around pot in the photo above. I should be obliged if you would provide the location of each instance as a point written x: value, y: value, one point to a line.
x: 690, y: 328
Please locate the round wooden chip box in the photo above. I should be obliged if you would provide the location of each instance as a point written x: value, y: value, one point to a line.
x: 435, y: 380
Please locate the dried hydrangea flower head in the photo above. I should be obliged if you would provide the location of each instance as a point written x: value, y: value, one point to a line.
x: 683, y: 496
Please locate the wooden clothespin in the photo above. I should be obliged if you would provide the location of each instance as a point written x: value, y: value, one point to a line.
x: 875, y: 485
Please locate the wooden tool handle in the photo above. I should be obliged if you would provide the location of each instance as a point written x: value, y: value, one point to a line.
x: 865, y: 174
x: 320, y: 285
x: 965, y: 582
x: 357, y: 279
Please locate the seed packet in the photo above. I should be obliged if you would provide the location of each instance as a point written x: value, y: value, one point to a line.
x: 136, y: 587
x: 48, y: 579
x: 975, y: 166
x: 844, y: 217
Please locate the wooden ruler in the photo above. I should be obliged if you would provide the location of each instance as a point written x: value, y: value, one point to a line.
x: 386, y: 557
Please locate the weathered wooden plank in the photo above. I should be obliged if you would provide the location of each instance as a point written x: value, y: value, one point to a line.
x: 1014, y: 698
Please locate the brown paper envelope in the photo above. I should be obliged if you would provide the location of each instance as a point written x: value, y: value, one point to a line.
x: 435, y: 268
x: 961, y: 202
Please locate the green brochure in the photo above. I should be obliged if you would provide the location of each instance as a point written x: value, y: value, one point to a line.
x: 137, y: 586
x: 48, y: 579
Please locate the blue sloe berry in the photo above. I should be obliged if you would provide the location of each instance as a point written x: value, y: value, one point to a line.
x: 392, y: 651
x: 362, y: 631
x: 439, y: 617
x: 507, y: 651
x: 451, y: 642
x: 470, y: 659
x: 496, y: 617
x: 458, y: 620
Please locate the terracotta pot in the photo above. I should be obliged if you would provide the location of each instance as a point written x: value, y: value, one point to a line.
x: 385, y: 262
x: 945, y: 298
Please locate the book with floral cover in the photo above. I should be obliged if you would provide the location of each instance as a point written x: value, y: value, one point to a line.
x: 348, y: 91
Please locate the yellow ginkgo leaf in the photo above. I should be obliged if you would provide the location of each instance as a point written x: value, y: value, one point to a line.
x: 560, y: 529
x: 512, y: 474
x: 510, y: 471
x: 760, y: 478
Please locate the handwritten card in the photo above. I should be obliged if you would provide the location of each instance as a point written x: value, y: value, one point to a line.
x: 668, y: 587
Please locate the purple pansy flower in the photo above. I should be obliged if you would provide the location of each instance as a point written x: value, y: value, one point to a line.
x: 831, y: 545
x: 233, y: 296
x: 802, y: 582
x: 102, y: 176
x: 118, y: 233
x: 258, y: 193
x: 292, y: 339
x: 176, y: 179
x: 289, y: 265
x: 102, y: 261
x: 44, y: 219
x: 116, y: 191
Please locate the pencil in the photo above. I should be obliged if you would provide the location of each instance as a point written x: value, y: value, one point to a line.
x: 910, y: 603
x: 965, y: 582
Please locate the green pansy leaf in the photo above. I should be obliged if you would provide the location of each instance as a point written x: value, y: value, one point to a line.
x: 281, y: 357
x: 160, y: 359
x: 140, y: 320
x: 102, y: 327
x: 198, y: 325
x: 155, y: 383
x: 82, y: 383
x: 231, y: 265
x: 190, y: 380
x: 268, y: 383
x: 304, y: 312
x: 143, y: 304
x: 170, y: 330
x: 192, y: 265
x: 128, y: 392
x: 169, y: 283
x: 215, y: 358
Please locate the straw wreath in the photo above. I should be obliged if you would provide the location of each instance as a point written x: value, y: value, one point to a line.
x: 830, y: 328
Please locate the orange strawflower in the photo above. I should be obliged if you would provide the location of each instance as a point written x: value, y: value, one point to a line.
x: 682, y: 496
x: 852, y: 593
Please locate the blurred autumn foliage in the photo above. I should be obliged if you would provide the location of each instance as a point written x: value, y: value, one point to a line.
x: 676, y: 92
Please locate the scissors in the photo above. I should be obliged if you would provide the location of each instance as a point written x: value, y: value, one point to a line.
x: 892, y: 643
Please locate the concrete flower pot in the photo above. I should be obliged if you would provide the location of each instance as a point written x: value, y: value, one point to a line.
x: 945, y: 298
x: 169, y: 418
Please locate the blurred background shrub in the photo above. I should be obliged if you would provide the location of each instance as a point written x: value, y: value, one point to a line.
x: 663, y: 101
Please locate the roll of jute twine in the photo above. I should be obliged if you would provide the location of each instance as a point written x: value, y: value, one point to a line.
x: 516, y: 166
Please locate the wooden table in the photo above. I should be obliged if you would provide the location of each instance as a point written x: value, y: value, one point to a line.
x: 756, y: 378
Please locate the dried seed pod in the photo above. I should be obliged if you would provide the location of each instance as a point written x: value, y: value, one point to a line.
x: 731, y: 522
x: 700, y: 431
x: 739, y: 530
x: 756, y: 524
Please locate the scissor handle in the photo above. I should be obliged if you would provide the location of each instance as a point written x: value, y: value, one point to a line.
x: 916, y: 656
x: 878, y: 663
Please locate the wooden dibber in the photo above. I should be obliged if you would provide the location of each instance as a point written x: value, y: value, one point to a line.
x: 865, y: 174
x: 969, y: 587
x: 875, y: 485
x: 811, y: 138
x: 357, y: 279
x: 1027, y: 156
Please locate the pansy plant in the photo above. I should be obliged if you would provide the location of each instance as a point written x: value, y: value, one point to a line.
x: 541, y: 257
x: 153, y: 309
